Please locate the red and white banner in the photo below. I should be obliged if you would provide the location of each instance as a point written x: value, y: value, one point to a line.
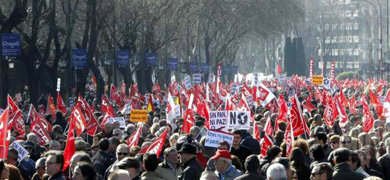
x: 311, y: 67
x: 332, y: 70
x: 4, y: 134
x: 156, y: 146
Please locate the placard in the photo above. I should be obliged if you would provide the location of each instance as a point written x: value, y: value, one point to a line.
x: 214, y: 138
x: 317, y: 80
x: 121, y: 121
x: 239, y: 120
x: 193, y: 67
x: 173, y: 64
x: 197, y: 78
x: 79, y: 57
x: 10, y: 44
x: 205, y: 68
x: 187, y: 81
x: 139, y: 116
x: 22, y: 153
x: 218, y: 120
x: 122, y: 58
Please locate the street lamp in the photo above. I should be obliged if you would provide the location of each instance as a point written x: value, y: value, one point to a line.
x: 11, y: 63
x: 37, y: 64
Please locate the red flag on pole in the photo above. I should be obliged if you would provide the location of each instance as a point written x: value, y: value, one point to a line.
x: 70, y: 144
x: 39, y: 126
x: 51, y: 108
x: 134, y: 138
x: 114, y: 95
x: 104, y: 105
x: 296, y: 118
x: 156, y: 146
x: 60, y: 104
x: 79, y: 119
x: 368, y: 119
x: 91, y: 121
x: 289, y: 138
x: 15, y: 118
x: 268, y: 142
x: 4, y: 134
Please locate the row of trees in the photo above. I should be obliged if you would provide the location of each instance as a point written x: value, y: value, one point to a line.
x: 202, y: 30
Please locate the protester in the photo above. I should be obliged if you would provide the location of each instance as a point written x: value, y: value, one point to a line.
x: 191, y: 168
x: 223, y: 165
x: 321, y: 171
x: 40, y: 169
x: 103, y: 159
x: 276, y: 172
x: 342, y: 170
x: 169, y: 169
x: 54, y: 165
x: 84, y: 171
x: 252, y: 165
x: 150, y: 164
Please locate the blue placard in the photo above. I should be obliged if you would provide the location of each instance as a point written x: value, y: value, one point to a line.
x: 122, y: 58
x: 205, y: 68
x: 10, y: 44
x: 173, y: 64
x: 226, y: 69
x: 151, y: 59
x: 79, y: 57
x: 193, y: 67
x: 234, y: 69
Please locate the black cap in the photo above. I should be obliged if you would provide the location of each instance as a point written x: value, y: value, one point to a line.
x: 188, y: 148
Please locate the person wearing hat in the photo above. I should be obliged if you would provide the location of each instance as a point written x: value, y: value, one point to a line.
x: 191, y: 168
x: 252, y: 165
x: 223, y: 165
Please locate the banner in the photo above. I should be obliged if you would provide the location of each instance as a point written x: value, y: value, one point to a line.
x: 79, y: 57
x: 239, y: 120
x: 151, y: 59
x: 123, y: 58
x: 22, y: 153
x: 121, y: 121
x: 187, y: 81
x: 317, y: 80
x: 311, y: 67
x: 193, y: 67
x: 205, y: 68
x: 139, y: 116
x: 332, y: 69
x: 197, y: 78
x: 173, y: 64
x: 10, y: 44
x: 214, y: 138
x: 218, y: 120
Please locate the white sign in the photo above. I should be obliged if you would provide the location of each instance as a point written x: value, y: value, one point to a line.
x: 187, y: 81
x: 58, y: 84
x: 121, y: 121
x: 214, y: 138
x: 197, y: 78
x: 239, y: 120
x: 18, y: 97
x: 22, y: 153
x: 218, y: 120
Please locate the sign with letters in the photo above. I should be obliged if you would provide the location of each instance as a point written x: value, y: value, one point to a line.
x: 239, y: 119
x: 10, y: 44
x: 79, y: 57
x: 197, y: 78
x: 139, y: 116
x: 22, y: 152
x: 193, y: 67
x: 122, y: 58
x: 317, y: 80
x: 214, y: 138
x: 151, y: 59
x: 173, y: 64
x: 218, y: 120
x: 121, y: 121
x: 205, y: 68
x: 187, y: 81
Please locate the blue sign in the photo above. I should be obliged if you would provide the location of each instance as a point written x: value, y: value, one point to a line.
x: 10, y: 44
x: 151, y: 59
x: 226, y: 69
x: 122, y: 58
x: 193, y: 67
x: 205, y: 67
x: 234, y: 69
x: 79, y: 57
x: 173, y: 64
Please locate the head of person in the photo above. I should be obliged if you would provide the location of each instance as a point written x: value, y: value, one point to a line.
x: 187, y: 152
x: 104, y: 144
x: 79, y: 156
x: 84, y: 171
x: 223, y: 160
x: 194, y: 131
x: 223, y: 145
x: 321, y: 138
x: 334, y: 141
x: 150, y: 162
x: 209, y: 175
x: 252, y: 163
x: 364, y: 139
x: 12, y: 157
x: 29, y: 146
x: 54, y: 145
x: 113, y: 143
x: 387, y: 145
x: 4, y: 170
x: 346, y: 141
x: 237, y: 138
x: 131, y: 165
x: 171, y: 156
x: 321, y: 171
x: 40, y: 166
x: 286, y: 163
x: 122, y: 151
x: 354, y: 160
x: 108, y: 127
x: 341, y: 155
x: 297, y: 156
x: 119, y: 174
x: 316, y: 153
x: 54, y: 162
x: 273, y: 152
x: 276, y: 171
x: 117, y: 133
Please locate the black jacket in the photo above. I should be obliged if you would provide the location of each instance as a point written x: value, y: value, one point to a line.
x: 191, y: 170
x: 58, y: 176
x: 101, y: 161
x: 384, y: 161
x: 343, y: 171
x: 250, y: 176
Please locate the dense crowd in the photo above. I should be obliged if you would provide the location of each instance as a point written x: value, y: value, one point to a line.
x: 330, y: 146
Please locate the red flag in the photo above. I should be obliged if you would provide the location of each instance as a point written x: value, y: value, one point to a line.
x: 283, y: 109
x: 79, y: 119
x: 368, y: 120
x: 268, y: 142
x: 134, y: 138
x: 114, y: 95
x: 256, y: 131
x: 330, y: 112
x: 374, y: 101
x: 189, y: 120
x: 150, y: 103
x: 39, y: 126
x: 104, y: 105
x: 70, y: 148
x: 122, y: 90
x: 203, y: 111
x: 340, y: 109
x: 15, y: 118
x: 289, y: 138
x: 297, y: 120
x: 156, y: 146
x: 91, y: 121
x: 109, y: 114
x: 279, y: 68
x: 4, y: 134
x: 60, y: 104
x: 51, y: 108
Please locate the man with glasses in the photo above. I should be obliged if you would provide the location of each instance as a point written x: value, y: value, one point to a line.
x: 321, y: 171
x: 122, y: 151
x: 334, y: 142
x: 54, y: 164
x: 346, y: 141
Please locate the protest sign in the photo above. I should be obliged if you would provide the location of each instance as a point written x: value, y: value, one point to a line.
x: 218, y: 120
x: 214, y: 138
x: 187, y: 80
x: 239, y: 120
x: 139, y: 116
x: 121, y: 121
x: 22, y: 153
x: 197, y: 78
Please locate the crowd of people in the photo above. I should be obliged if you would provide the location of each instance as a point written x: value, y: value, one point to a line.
x: 340, y: 150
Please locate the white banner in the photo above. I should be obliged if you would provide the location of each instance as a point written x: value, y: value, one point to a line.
x: 197, y: 78
x: 214, y: 138
x: 239, y: 120
x: 218, y: 120
x: 121, y: 121
x: 22, y: 153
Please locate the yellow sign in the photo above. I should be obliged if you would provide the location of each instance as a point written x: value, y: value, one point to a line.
x: 139, y: 116
x: 317, y: 80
